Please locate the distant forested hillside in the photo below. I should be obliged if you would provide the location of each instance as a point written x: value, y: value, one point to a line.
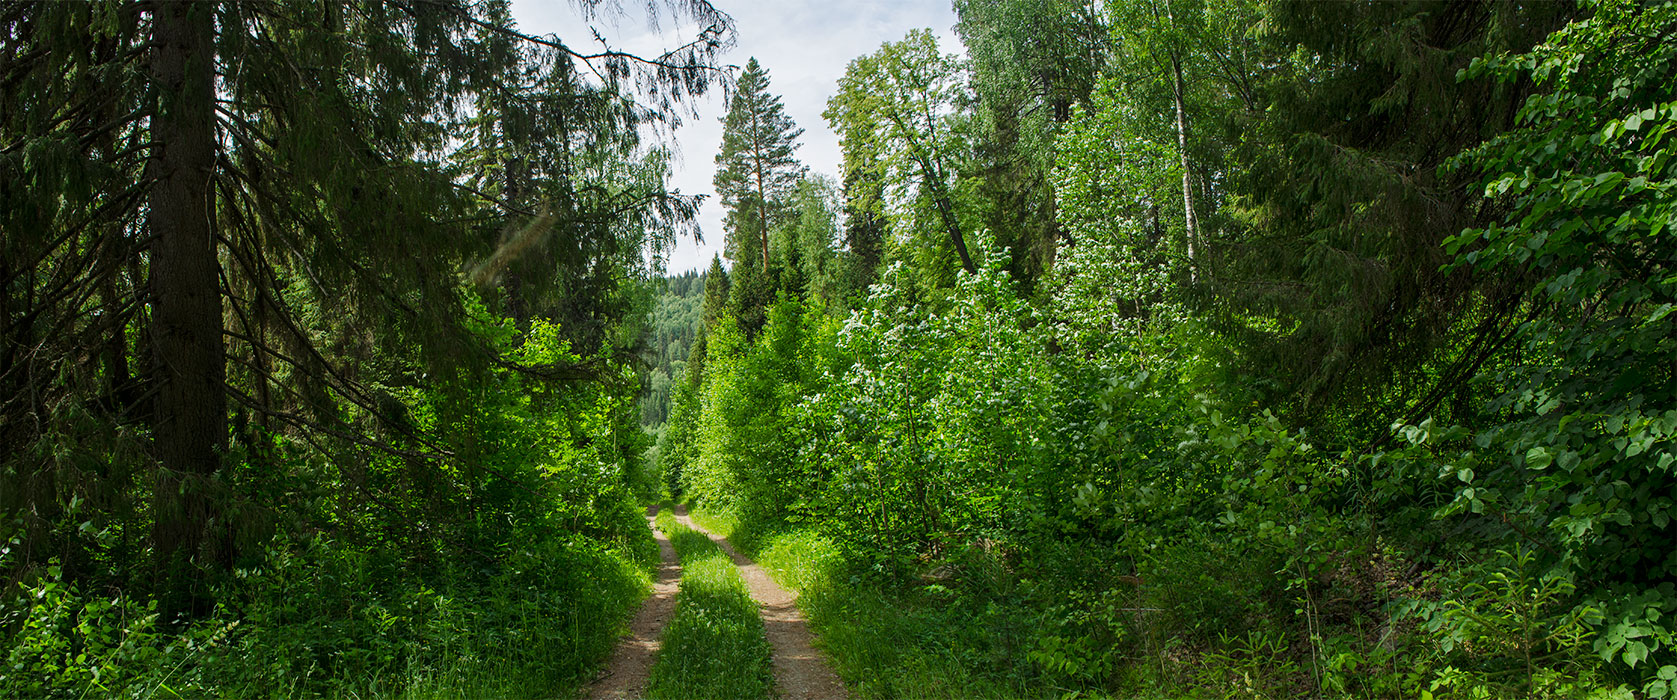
x: 670, y: 331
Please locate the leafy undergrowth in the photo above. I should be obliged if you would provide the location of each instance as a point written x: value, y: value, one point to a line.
x: 337, y: 623
x: 715, y: 646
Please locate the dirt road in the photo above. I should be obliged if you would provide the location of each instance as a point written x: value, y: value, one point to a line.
x: 801, y: 671
x: 624, y: 677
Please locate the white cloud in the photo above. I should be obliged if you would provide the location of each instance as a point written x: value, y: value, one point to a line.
x: 804, y: 44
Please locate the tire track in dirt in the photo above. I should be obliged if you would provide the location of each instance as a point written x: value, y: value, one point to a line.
x: 625, y: 676
x: 801, y: 671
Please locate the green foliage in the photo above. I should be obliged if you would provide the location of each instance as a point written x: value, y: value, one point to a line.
x: 756, y: 171
x: 71, y: 645
x: 1579, y: 457
x: 1160, y: 476
x: 1336, y: 120
x: 1245, y: 349
x: 545, y: 552
x: 759, y: 182
x: 1031, y: 60
x: 810, y: 264
x: 1515, y: 632
x: 1118, y: 197
x: 864, y: 227
x: 950, y: 432
x: 895, y: 114
x: 322, y: 617
x: 746, y: 435
x: 1249, y: 666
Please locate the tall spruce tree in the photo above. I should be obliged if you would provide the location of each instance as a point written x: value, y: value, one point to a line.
x: 1335, y: 160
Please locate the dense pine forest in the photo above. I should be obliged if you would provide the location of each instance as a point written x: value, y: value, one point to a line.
x: 1136, y: 349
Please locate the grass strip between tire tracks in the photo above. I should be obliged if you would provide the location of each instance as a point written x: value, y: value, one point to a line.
x: 714, y: 647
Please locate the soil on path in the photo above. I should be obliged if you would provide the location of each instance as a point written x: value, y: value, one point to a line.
x: 801, y: 672
x: 625, y: 675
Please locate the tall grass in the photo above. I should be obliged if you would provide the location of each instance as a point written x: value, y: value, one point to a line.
x: 714, y: 647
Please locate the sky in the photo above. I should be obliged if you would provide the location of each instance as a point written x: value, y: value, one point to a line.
x: 805, y: 46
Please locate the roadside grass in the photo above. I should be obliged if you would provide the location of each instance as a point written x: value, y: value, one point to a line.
x: 715, y: 646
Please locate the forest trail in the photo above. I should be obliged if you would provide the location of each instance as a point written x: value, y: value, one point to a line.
x: 625, y: 676
x: 801, y: 672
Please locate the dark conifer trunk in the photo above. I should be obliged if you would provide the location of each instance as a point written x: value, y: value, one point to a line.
x: 757, y: 157
x: 190, y: 422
